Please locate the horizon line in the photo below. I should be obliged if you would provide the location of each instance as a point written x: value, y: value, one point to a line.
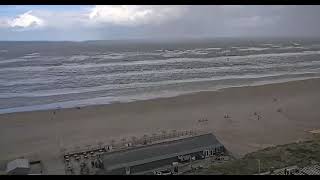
x: 166, y: 39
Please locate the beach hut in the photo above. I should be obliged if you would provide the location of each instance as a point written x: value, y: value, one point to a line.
x: 18, y: 167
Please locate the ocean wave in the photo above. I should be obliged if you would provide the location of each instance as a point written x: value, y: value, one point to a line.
x: 79, y: 90
x: 110, y: 99
x: 153, y: 62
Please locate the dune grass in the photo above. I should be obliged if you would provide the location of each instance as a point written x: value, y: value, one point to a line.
x: 300, y: 154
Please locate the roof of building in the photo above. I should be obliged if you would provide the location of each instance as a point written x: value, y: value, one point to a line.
x: 18, y: 163
x: 155, y: 152
x: 311, y: 170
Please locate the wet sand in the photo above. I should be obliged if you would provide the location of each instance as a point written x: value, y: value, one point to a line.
x: 258, y: 116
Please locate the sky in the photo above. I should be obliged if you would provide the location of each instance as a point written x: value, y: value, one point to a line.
x: 103, y: 22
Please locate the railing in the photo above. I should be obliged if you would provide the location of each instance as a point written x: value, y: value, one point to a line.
x: 133, y: 141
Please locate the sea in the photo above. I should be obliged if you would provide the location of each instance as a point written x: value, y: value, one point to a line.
x: 40, y: 75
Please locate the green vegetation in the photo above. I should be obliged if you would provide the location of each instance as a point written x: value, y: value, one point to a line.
x: 300, y: 154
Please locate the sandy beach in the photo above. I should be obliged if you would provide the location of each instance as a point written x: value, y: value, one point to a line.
x: 259, y: 116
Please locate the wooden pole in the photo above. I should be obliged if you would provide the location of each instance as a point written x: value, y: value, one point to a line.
x: 259, y: 166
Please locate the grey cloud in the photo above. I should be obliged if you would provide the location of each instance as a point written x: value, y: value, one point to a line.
x: 195, y: 21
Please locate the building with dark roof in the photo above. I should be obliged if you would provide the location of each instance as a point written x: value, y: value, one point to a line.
x: 149, y: 157
x: 18, y: 167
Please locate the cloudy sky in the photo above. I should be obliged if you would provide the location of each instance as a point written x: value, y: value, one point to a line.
x: 122, y: 22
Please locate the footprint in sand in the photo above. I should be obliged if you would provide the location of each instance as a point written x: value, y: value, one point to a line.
x: 227, y: 117
x: 279, y: 110
x: 257, y: 115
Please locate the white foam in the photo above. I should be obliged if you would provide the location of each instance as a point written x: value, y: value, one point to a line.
x: 78, y: 58
x: 201, y: 70
x: 14, y: 60
x: 200, y: 52
x: 267, y: 44
x: 109, y: 100
x: 31, y: 55
x: 28, y: 81
x: 158, y: 62
x: 213, y: 48
x: 253, y: 49
x: 164, y: 72
x: 291, y: 47
x: 43, y: 93
x: 225, y: 51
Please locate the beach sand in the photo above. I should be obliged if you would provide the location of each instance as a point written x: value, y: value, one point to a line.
x: 287, y: 111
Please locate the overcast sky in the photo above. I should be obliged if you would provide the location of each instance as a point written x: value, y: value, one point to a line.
x: 122, y: 22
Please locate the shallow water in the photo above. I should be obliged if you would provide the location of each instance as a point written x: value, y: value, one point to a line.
x: 46, y: 75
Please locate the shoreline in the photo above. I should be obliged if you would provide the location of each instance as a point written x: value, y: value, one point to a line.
x: 49, y: 107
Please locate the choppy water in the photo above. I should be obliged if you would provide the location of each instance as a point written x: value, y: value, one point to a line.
x: 45, y: 75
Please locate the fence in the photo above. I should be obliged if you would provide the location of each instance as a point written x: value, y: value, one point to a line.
x: 133, y: 141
